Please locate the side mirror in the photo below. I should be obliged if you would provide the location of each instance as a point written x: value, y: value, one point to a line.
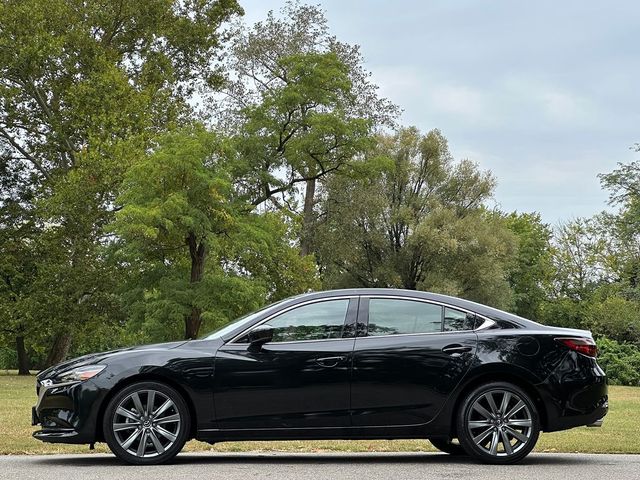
x: 259, y: 336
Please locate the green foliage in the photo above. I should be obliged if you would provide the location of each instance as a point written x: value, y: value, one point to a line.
x: 84, y: 86
x: 301, y: 107
x: 531, y: 272
x: 620, y: 361
x: 579, y: 258
x: 616, y: 318
x: 411, y: 217
x: 562, y: 312
x: 195, y: 246
x: 178, y: 189
x: 302, y: 128
x: 8, y: 358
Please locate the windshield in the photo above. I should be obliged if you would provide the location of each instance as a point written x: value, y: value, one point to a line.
x: 239, y: 322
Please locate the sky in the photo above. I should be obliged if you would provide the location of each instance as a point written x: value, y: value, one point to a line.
x: 545, y: 94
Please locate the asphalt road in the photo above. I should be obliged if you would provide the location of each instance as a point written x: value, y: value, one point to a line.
x: 369, y: 466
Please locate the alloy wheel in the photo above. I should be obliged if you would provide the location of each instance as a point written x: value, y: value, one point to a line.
x: 499, y: 423
x: 146, y: 423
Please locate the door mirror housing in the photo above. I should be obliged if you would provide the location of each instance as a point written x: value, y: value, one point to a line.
x: 259, y: 336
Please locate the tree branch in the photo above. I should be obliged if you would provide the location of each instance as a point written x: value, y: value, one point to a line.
x: 7, y: 136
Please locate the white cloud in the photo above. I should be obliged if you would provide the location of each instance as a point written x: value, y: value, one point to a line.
x: 565, y: 108
x: 542, y: 99
x: 459, y: 100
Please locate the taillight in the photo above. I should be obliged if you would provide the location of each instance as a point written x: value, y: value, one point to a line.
x: 585, y: 346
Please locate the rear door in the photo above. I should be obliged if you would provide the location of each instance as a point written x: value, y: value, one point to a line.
x: 408, y: 357
x: 298, y: 380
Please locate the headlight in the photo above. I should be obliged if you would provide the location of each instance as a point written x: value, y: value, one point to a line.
x: 79, y: 374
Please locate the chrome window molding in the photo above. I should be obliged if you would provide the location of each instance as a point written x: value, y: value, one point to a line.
x: 487, y: 323
x: 296, y: 341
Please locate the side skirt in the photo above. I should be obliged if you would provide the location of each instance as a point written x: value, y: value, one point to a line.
x: 329, y: 433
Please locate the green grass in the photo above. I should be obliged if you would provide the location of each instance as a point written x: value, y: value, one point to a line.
x: 619, y: 434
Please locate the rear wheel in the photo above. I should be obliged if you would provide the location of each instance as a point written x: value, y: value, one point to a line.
x: 146, y: 423
x: 498, y: 423
x: 447, y: 445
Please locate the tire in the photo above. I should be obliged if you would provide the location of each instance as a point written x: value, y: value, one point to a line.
x: 129, y: 421
x: 447, y: 445
x: 494, y: 433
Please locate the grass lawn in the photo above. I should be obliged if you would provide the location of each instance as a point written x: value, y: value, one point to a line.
x: 619, y: 434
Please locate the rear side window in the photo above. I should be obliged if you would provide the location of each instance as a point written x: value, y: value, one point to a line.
x: 395, y: 317
x: 455, y: 320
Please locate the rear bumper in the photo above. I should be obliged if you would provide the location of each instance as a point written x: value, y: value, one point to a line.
x: 594, y: 418
x: 575, y: 394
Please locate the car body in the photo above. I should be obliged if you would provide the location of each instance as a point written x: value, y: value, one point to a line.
x: 341, y: 364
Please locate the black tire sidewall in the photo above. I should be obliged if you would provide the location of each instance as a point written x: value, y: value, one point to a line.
x: 445, y: 445
x: 183, y: 434
x: 467, y: 442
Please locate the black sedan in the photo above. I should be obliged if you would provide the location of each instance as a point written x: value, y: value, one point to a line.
x: 343, y: 364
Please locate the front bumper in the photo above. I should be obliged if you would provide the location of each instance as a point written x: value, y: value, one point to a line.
x: 66, y: 413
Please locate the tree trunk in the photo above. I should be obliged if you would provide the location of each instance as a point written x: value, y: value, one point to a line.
x: 198, y: 253
x: 59, y: 349
x: 306, y: 238
x: 192, y: 324
x: 23, y: 358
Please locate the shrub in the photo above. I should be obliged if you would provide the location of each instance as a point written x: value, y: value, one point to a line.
x: 620, y: 361
x: 8, y: 359
x: 615, y: 318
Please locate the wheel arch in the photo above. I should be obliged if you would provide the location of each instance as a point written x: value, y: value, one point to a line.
x: 146, y: 377
x: 499, y: 375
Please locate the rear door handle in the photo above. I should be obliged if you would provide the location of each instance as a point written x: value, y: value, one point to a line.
x: 330, y: 361
x: 456, y: 349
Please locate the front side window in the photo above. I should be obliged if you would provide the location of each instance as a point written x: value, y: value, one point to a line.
x: 315, y: 321
x: 395, y: 317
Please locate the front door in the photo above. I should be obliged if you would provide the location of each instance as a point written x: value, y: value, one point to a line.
x: 408, y: 358
x: 298, y: 380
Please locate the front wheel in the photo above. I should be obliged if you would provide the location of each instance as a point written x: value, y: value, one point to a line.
x: 146, y: 423
x: 498, y: 423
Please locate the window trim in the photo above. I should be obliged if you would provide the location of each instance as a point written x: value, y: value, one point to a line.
x: 486, y: 322
x: 346, y: 322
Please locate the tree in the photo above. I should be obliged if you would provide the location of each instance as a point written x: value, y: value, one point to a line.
x: 301, y: 106
x: 412, y: 217
x: 623, y: 227
x: 579, y: 259
x: 596, y: 264
x: 77, y: 74
x: 17, y: 262
x: 531, y: 272
x: 200, y: 252
x: 84, y: 85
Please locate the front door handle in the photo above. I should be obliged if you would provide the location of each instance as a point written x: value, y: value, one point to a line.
x: 329, y: 361
x: 455, y: 349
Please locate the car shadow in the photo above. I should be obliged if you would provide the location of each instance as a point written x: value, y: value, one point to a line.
x: 93, y: 460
